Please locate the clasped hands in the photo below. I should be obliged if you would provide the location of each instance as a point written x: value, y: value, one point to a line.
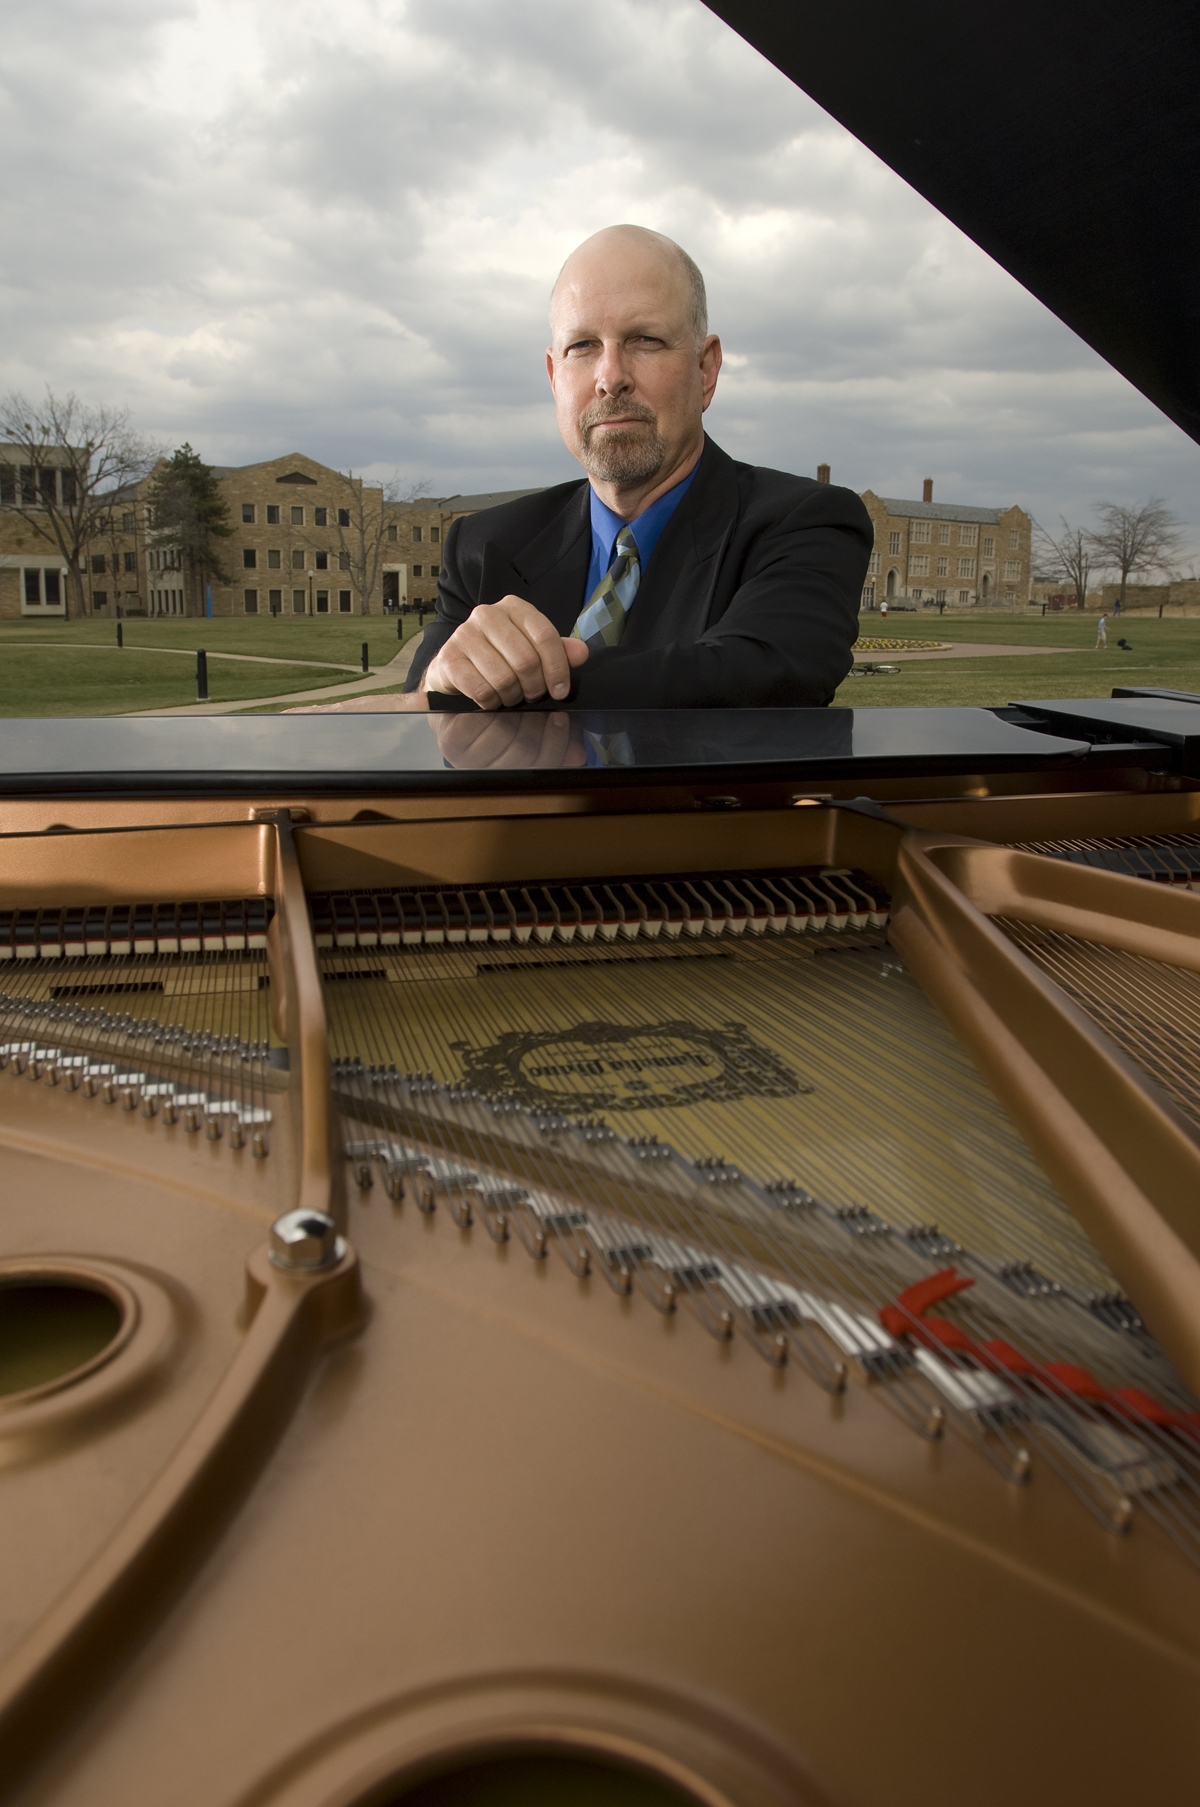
x: 504, y: 654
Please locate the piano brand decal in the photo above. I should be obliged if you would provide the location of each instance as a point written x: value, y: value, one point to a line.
x: 629, y: 1067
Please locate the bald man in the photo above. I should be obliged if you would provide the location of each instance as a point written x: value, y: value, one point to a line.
x: 673, y: 577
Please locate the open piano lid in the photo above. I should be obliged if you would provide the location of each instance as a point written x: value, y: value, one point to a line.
x: 1064, y: 140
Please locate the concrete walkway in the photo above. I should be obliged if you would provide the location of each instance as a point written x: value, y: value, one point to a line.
x: 386, y: 677
x: 183, y: 652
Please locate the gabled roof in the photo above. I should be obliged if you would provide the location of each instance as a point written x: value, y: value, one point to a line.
x: 492, y: 499
x: 940, y: 511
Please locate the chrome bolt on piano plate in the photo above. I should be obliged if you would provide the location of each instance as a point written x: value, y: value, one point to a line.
x: 304, y: 1241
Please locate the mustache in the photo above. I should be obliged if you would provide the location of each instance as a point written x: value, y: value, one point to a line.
x: 615, y: 409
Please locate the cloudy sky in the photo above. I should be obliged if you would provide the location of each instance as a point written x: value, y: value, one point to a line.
x: 273, y: 225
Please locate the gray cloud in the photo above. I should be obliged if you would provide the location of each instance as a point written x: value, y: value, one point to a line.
x: 269, y: 224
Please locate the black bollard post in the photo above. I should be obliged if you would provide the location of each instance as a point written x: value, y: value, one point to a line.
x: 399, y: 627
x: 201, y: 675
x: 366, y: 660
x: 120, y: 635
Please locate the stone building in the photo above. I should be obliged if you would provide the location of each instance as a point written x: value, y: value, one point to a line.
x: 931, y: 552
x: 307, y: 540
x: 33, y: 573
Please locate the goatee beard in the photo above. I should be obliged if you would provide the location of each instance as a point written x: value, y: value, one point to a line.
x: 621, y: 454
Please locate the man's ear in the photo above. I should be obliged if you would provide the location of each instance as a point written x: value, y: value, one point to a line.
x: 710, y: 367
x: 550, y: 368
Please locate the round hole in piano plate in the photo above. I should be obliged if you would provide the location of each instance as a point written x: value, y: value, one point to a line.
x: 53, y: 1329
x: 541, y: 1779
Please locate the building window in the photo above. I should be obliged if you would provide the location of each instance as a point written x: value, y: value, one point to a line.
x: 33, y: 588
x: 416, y: 536
x: 1012, y: 570
x: 343, y: 517
x: 274, y: 559
x: 918, y: 565
x: 298, y: 516
x: 943, y: 567
x: 943, y: 533
x: 99, y: 599
x: 297, y: 559
x: 320, y: 517
x: 343, y: 561
x: 918, y: 530
x: 941, y: 595
x: 322, y: 602
x: 345, y: 601
x: 272, y: 514
x: 249, y: 558
x: 48, y: 486
x: 321, y: 561
x: 98, y: 565
x: 297, y: 602
x: 392, y: 535
x: 893, y: 542
x: 128, y: 523
x: 8, y: 490
x: 250, y: 601
x: 275, y: 601
x: 435, y: 534
x: 435, y: 570
x: 1014, y: 539
x: 989, y: 548
x: 868, y: 596
x: 247, y: 514
x: 418, y: 570
x: 130, y: 561
x: 968, y: 536
x: 964, y: 596
x: 966, y: 567
x: 873, y: 565
x: 28, y: 484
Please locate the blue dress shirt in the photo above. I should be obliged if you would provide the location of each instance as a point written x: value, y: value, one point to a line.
x: 647, y: 531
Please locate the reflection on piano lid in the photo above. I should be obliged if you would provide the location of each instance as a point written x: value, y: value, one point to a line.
x: 241, y: 754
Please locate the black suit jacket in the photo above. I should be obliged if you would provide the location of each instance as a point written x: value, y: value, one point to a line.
x: 750, y: 598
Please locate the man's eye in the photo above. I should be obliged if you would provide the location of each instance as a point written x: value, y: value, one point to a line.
x: 579, y: 345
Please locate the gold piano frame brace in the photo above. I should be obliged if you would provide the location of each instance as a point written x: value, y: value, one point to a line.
x: 1125, y: 1160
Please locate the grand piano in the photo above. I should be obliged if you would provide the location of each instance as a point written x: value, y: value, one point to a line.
x: 663, y: 1267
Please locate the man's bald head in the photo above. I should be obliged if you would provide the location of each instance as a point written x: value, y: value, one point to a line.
x: 615, y: 248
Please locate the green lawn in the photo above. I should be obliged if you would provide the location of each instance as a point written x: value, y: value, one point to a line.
x: 1165, y: 653
x: 75, y: 668
x: 40, y: 674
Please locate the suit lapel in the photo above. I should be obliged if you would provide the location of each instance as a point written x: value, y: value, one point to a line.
x: 675, y: 596
x: 551, y: 570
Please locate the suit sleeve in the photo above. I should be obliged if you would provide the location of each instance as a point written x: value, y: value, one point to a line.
x: 784, y: 638
x: 454, y: 604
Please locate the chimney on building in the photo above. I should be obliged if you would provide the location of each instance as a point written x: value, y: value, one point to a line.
x: 927, y: 492
x: 822, y: 473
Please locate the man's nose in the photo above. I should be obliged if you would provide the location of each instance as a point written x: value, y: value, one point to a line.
x: 612, y: 374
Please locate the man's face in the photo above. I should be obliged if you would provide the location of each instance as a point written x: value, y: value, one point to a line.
x: 630, y: 382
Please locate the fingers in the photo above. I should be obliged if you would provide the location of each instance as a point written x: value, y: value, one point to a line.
x: 504, y: 654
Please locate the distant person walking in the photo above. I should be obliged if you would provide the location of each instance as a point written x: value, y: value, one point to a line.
x: 1102, y: 633
x: 883, y: 610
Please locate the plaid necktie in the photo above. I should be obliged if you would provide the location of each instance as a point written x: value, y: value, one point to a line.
x: 603, y: 620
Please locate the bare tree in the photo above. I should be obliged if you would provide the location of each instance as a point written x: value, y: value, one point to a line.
x: 1146, y: 538
x: 69, y: 457
x: 1068, y: 556
x: 362, y: 532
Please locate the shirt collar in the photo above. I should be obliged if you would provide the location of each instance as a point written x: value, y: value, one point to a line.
x: 647, y: 528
